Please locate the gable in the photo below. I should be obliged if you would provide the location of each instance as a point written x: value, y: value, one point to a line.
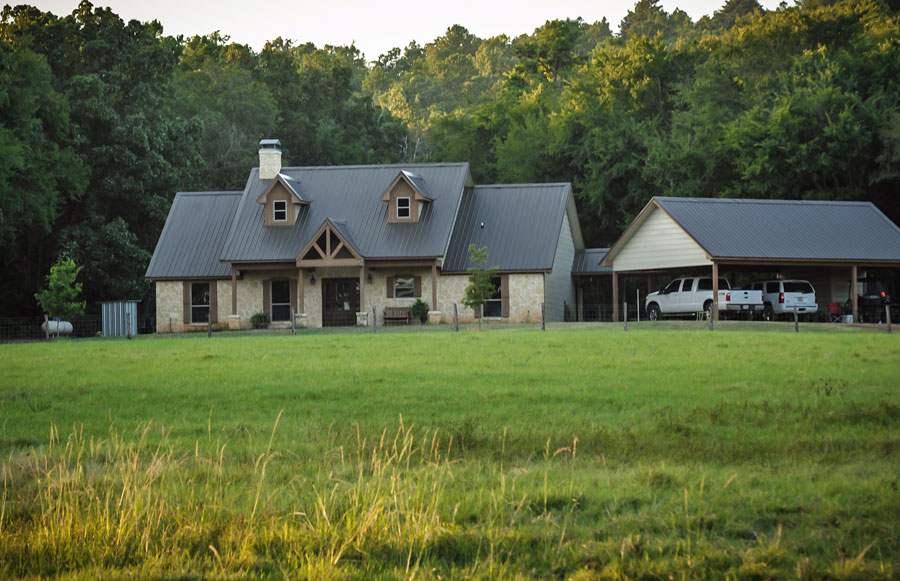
x: 658, y: 242
x: 329, y: 247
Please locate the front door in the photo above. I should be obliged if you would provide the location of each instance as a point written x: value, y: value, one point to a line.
x: 340, y: 302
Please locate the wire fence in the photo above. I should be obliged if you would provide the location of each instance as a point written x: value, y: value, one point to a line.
x: 22, y: 329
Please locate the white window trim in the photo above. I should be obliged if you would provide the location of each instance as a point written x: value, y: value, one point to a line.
x: 276, y: 209
x: 273, y: 304
x: 208, y: 305
x: 408, y: 208
x: 412, y: 286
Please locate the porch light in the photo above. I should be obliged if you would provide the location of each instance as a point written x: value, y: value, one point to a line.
x: 369, y: 279
x: 312, y: 279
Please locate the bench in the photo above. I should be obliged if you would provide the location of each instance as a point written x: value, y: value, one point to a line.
x: 396, y: 316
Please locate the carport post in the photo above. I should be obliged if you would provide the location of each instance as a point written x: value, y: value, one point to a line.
x: 854, y: 299
x: 715, y: 281
x: 615, y: 289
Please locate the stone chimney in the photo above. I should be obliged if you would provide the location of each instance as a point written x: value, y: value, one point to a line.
x: 269, y: 158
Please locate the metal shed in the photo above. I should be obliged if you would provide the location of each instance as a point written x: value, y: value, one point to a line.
x: 119, y: 318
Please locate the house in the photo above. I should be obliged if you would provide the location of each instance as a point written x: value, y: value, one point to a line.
x: 334, y: 246
x: 828, y: 243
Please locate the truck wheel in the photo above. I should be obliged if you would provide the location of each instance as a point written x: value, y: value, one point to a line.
x: 768, y: 313
x: 708, y: 308
x: 653, y: 312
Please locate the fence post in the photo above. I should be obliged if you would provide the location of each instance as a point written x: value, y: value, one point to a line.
x: 481, y: 318
x: 209, y: 327
x: 887, y: 316
x: 47, y: 326
x: 374, y: 319
x: 293, y: 322
x: 127, y: 324
x: 637, y: 303
x: 456, y: 317
x: 712, y: 324
x: 543, y: 317
x: 625, y: 314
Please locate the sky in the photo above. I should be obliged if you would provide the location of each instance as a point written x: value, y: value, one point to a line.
x: 373, y: 26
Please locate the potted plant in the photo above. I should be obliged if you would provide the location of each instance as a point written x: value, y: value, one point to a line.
x: 260, y: 320
x: 419, y: 311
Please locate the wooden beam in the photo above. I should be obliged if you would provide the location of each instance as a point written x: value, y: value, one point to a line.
x: 233, y: 291
x: 615, y: 298
x: 854, y: 298
x: 330, y: 262
x: 362, y: 288
x: 300, y: 290
x: 434, y: 306
x: 715, y: 281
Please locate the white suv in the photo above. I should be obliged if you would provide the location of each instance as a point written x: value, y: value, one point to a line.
x: 781, y: 296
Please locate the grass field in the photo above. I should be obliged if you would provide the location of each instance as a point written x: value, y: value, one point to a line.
x: 666, y: 452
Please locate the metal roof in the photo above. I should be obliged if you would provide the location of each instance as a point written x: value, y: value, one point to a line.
x: 193, y: 236
x: 785, y: 229
x: 418, y: 183
x: 519, y: 225
x: 587, y: 261
x: 351, y: 195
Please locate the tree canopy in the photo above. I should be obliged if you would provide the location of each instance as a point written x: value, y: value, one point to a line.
x: 104, y: 120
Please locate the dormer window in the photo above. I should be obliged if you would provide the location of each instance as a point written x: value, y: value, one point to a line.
x: 279, y: 210
x: 403, y: 209
x: 406, y: 197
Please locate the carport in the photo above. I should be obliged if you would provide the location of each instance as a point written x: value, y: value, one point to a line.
x: 829, y: 243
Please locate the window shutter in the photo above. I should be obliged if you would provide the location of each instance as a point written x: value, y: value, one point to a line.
x: 504, y: 295
x: 293, y: 296
x: 214, y: 301
x: 267, y: 297
x: 417, y: 286
x: 390, y: 287
x: 186, y: 315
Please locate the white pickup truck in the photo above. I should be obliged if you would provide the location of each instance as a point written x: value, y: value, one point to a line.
x: 683, y: 296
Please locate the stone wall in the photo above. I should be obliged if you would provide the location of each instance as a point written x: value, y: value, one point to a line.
x: 169, y: 306
x: 526, y: 293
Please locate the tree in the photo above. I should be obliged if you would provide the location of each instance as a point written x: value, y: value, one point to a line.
x: 480, y: 288
x: 60, y: 297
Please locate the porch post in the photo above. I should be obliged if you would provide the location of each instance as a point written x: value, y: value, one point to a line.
x: 300, y: 287
x: 715, y: 281
x: 233, y: 291
x: 854, y: 298
x: 615, y: 289
x: 362, y: 288
x: 434, y: 305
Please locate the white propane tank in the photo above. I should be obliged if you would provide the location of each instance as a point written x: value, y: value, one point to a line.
x: 57, y: 327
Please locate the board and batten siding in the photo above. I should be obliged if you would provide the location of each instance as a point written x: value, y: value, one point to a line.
x: 558, y: 286
x: 659, y: 243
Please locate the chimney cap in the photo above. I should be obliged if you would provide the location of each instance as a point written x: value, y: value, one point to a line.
x: 270, y: 144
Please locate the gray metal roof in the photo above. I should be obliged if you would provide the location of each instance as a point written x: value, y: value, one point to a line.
x: 193, y: 236
x: 418, y: 183
x: 350, y: 195
x: 785, y: 229
x: 519, y: 225
x: 587, y: 261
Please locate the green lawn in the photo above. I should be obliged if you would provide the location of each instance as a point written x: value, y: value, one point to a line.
x: 664, y: 452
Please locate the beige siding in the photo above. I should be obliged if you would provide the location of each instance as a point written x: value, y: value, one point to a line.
x: 659, y: 243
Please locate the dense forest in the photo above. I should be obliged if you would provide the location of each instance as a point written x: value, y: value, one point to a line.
x: 104, y: 120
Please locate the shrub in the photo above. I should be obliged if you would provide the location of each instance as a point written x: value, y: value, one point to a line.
x: 260, y: 320
x: 419, y: 310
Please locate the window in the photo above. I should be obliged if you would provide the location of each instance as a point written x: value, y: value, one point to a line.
x: 493, y: 307
x: 281, y: 300
x: 279, y: 211
x: 798, y: 287
x: 672, y: 286
x: 404, y: 287
x: 200, y: 302
x: 772, y: 287
x: 706, y: 284
x: 403, y: 208
x: 687, y: 285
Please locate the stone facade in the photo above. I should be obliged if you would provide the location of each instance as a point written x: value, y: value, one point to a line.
x: 526, y: 293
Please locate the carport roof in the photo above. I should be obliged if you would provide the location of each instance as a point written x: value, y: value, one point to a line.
x: 745, y: 230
